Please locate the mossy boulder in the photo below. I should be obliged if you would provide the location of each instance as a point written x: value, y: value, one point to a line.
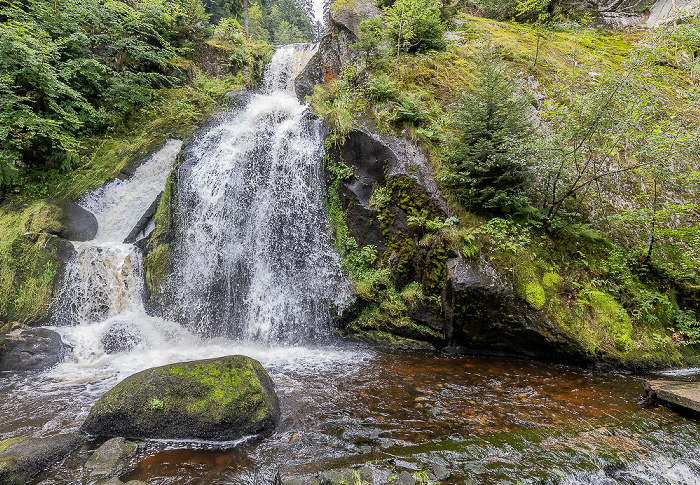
x: 22, y: 458
x: 111, y: 459
x: 219, y: 399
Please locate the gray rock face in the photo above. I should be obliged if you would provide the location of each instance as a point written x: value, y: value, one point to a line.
x: 30, y: 349
x: 78, y: 224
x: 111, y: 459
x: 216, y: 399
x: 334, y: 49
x: 23, y: 458
x: 483, y: 312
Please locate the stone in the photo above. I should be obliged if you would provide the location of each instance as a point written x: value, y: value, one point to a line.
x: 77, y: 224
x: 683, y: 394
x: 219, y: 399
x: 111, y: 459
x: 145, y: 224
x: 334, y: 49
x: 23, y: 458
x: 121, y: 337
x: 30, y: 349
x: 483, y: 312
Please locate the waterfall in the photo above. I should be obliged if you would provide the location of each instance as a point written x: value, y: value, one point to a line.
x: 253, y: 258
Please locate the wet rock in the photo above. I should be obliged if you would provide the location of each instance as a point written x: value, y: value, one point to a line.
x: 685, y: 395
x: 145, y: 224
x: 77, y: 224
x: 30, y: 349
x: 111, y: 459
x: 216, y: 399
x: 482, y: 311
x: 347, y: 475
x: 23, y: 458
x: 121, y: 337
x: 405, y: 478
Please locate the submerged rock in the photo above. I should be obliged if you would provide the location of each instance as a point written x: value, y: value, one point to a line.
x: 23, y: 458
x: 216, y: 399
x: 121, y: 337
x: 111, y: 459
x: 26, y: 349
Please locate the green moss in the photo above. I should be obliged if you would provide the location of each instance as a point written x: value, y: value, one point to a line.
x: 157, y: 267
x: 551, y: 280
x: 606, y: 315
x: 534, y: 296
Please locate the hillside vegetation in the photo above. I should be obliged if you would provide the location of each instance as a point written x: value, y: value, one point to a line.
x: 569, y: 156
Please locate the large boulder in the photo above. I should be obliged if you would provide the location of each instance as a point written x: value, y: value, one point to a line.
x: 23, y: 458
x: 216, y: 399
x: 76, y: 223
x: 334, y: 50
x: 30, y: 349
x: 482, y: 311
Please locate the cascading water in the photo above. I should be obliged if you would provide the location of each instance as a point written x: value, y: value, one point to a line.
x: 253, y: 259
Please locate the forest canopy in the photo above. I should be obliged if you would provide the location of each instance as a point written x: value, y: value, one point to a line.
x: 70, y: 69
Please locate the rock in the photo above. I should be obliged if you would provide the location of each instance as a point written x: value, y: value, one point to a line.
x: 334, y: 49
x: 30, y: 349
x: 145, y: 224
x: 23, y: 458
x: 216, y: 399
x: 77, y: 224
x: 111, y: 459
x: 121, y: 337
x: 482, y: 311
x: 683, y: 394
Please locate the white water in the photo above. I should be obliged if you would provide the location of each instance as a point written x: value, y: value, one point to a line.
x: 254, y: 260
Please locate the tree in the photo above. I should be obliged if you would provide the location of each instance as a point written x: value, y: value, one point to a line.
x: 414, y: 25
x: 485, y: 165
x: 370, y: 38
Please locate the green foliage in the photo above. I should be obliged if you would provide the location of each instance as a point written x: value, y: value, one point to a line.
x: 369, y: 39
x: 485, y: 169
x: 414, y: 25
x: 381, y: 88
x: 70, y: 69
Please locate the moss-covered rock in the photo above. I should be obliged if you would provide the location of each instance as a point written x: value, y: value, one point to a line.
x: 216, y: 399
x: 22, y: 458
x: 111, y: 459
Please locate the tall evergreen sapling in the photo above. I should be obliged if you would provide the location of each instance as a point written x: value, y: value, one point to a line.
x: 485, y: 164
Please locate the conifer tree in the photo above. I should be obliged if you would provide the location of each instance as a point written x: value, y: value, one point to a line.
x: 486, y: 168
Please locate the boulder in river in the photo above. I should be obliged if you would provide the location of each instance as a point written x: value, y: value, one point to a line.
x: 22, y: 458
x: 26, y: 348
x: 111, y: 459
x: 219, y: 399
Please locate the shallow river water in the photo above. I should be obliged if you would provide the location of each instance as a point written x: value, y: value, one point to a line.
x: 485, y: 419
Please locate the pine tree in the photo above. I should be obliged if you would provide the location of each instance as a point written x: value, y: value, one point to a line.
x: 485, y: 164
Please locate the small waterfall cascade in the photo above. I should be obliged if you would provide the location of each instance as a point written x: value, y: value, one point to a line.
x: 253, y: 258
x: 104, y: 278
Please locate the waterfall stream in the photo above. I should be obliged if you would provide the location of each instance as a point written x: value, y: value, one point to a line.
x: 253, y: 259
